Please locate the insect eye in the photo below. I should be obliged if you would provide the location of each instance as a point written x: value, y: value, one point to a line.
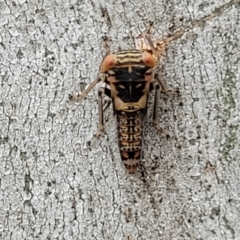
x: 149, y: 59
x: 108, y: 63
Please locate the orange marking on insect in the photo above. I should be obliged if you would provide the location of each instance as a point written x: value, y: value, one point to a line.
x: 149, y: 59
x: 136, y: 154
x: 125, y: 154
x: 108, y: 63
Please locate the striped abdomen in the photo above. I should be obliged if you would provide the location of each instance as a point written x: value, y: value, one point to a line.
x: 130, y: 130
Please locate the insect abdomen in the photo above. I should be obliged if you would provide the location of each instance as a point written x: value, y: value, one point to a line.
x: 130, y: 138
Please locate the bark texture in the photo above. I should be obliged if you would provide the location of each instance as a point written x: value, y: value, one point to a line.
x: 53, y: 186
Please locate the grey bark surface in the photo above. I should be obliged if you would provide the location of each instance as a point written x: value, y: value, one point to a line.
x: 53, y: 186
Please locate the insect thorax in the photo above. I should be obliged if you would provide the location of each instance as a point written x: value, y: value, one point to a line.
x: 129, y: 80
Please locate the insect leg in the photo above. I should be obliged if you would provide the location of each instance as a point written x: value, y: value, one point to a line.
x: 107, y: 92
x: 147, y: 37
x: 101, y: 108
x: 164, y: 88
x: 155, y: 106
x: 156, y: 46
x: 79, y: 96
x: 156, y: 86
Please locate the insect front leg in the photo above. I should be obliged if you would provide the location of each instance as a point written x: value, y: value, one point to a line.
x: 79, y: 96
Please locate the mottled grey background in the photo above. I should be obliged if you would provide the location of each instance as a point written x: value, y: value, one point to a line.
x: 53, y: 187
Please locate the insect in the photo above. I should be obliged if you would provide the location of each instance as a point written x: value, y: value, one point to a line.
x: 130, y: 76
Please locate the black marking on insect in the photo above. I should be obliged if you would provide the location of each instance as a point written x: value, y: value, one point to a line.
x: 130, y: 76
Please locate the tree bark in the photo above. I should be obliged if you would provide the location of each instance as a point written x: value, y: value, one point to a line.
x: 55, y: 186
